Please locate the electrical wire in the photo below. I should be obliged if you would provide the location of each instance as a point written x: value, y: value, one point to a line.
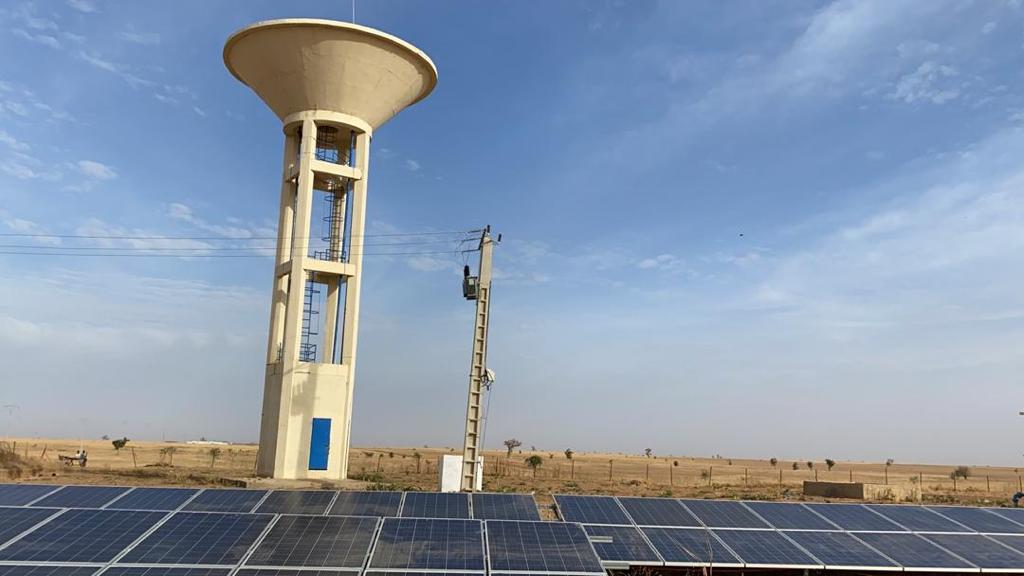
x: 158, y: 254
x: 222, y: 238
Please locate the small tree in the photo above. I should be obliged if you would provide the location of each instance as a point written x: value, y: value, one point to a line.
x: 774, y: 462
x: 810, y: 465
x: 534, y: 462
x: 830, y: 463
x: 675, y: 462
x: 169, y: 453
x: 105, y: 437
x: 511, y: 444
x: 960, y: 472
x: 214, y: 454
x: 647, y: 452
x: 568, y: 453
x: 889, y: 462
x: 796, y: 466
x: 119, y: 443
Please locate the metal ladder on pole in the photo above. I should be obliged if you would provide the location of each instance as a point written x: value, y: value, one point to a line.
x: 472, y: 448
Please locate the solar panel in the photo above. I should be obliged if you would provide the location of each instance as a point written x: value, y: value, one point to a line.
x: 839, y: 550
x: 911, y: 550
x: 435, y: 505
x: 691, y: 546
x: 658, y: 512
x: 766, y: 549
x: 21, y: 494
x: 918, y: 518
x: 793, y: 516
x: 230, y: 500
x: 296, y: 502
x: 543, y: 547
x: 153, y: 499
x: 854, y: 517
x: 14, y: 521
x: 626, y: 544
x: 980, y: 519
x: 316, y: 541
x: 81, y: 497
x: 287, y: 572
x: 591, y: 510
x: 81, y: 536
x: 366, y: 504
x: 1015, y: 542
x: 723, y: 514
x: 164, y: 571
x: 196, y: 538
x: 50, y: 570
x: 425, y: 573
x: 429, y: 544
x: 979, y: 550
x: 1014, y: 514
x: 488, y: 506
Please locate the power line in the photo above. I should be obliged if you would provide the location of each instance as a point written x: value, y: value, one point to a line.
x: 221, y: 238
x: 219, y: 248
x: 158, y: 254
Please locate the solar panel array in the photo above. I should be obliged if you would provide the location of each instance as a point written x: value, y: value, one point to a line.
x: 628, y: 531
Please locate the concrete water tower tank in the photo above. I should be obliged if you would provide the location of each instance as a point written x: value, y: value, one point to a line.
x: 331, y: 84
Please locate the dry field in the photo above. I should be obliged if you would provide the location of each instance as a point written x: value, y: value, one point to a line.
x: 163, y: 463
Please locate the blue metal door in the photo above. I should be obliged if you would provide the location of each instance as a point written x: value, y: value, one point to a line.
x: 319, y: 443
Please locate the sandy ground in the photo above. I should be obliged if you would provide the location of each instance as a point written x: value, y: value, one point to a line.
x: 169, y: 463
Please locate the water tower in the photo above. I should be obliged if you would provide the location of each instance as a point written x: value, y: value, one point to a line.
x: 331, y: 84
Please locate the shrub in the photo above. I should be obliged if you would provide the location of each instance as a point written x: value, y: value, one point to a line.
x: 830, y: 463
x: 960, y: 472
x: 774, y: 462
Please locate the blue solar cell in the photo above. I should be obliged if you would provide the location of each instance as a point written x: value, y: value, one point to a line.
x: 690, y: 546
x: 296, y: 502
x: 917, y: 518
x: 765, y: 548
x: 50, y: 570
x: 14, y: 521
x: 723, y: 514
x: 153, y: 499
x: 164, y: 571
x: 22, y: 494
x: 1014, y: 514
x: 790, y: 515
x: 81, y: 497
x: 366, y: 504
x: 230, y: 500
x: 81, y: 536
x: 839, y: 550
x: 542, y: 547
x: 658, y: 512
x: 1015, y: 542
x: 399, y: 573
x: 980, y: 519
x: 435, y: 505
x: 429, y: 544
x: 979, y: 550
x: 287, y: 572
x: 855, y: 517
x: 316, y: 542
x: 199, y: 538
x: 488, y: 506
x: 627, y: 545
x: 911, y: 550
x: 591, y: 510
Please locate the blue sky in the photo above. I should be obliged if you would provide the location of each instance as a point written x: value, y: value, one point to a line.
x: 790, y: 229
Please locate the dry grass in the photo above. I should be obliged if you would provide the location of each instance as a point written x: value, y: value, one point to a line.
x: 161, y: 463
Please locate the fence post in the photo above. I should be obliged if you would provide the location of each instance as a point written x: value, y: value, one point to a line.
x: 610, y: 463
x: 954, y: 483
x: 886, y: 475
x: 988, y: 484
x: 780, y: 477
x: 710, y: 471
x: 670, y: 473
x: 1020, y: 486
x: 647, y: 472
x: 134, y: 463
x: 851, y: 475
x: 815, y: 474
x: 572, y: 469
x: 745, y: 476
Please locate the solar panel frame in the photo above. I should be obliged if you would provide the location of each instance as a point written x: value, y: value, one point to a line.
x: 592, y: 510
x: 980, y: 550
x: 339, y: 542
x: 366, y: 504
x: 315, y: 502
x: 539, y: 548
x: 664, y: 512
x: 73, y: 496
x: 766, y: 549
x: 16, y: 521
x: 910, y: 550
x: 854, y: 517
x: 455, y: 505
x: 418, y: 573
x: 1012, y: 514
x: 200, y: 538
x: 980, y: 519
x: 504, y: 506
x: 830, y: 547
x: 243, y: 571
x: 917, y: 518
x: 688, y: 547
x: 790, y: 516
x: 165, y: 571
x: 149, y: 498
x: 724, y: 514
x: 628, y: 545
x: 82, y: 536
x: 47, y: 570
x: 227, y: 500
x: 390, y: 546
x: 24, y: 494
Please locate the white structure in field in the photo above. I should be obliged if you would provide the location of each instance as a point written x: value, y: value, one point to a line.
x: 331, y: 84
x: 449, y: 474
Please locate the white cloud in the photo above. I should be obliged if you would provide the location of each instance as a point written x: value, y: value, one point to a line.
x: 143, y: 38
x: 12, y: 142
x: 926, y: 84
x: 44, y: 39
x: 199, y: 111
x: 96, y: 170
x: 412, y: 165
x: 82, y: 5
x: 988, y: 28
x: 429, y: 263
x: 663, y: 262
x: 28, y: 227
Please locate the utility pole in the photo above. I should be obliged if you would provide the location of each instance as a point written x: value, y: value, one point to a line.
x: 477, y: 288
